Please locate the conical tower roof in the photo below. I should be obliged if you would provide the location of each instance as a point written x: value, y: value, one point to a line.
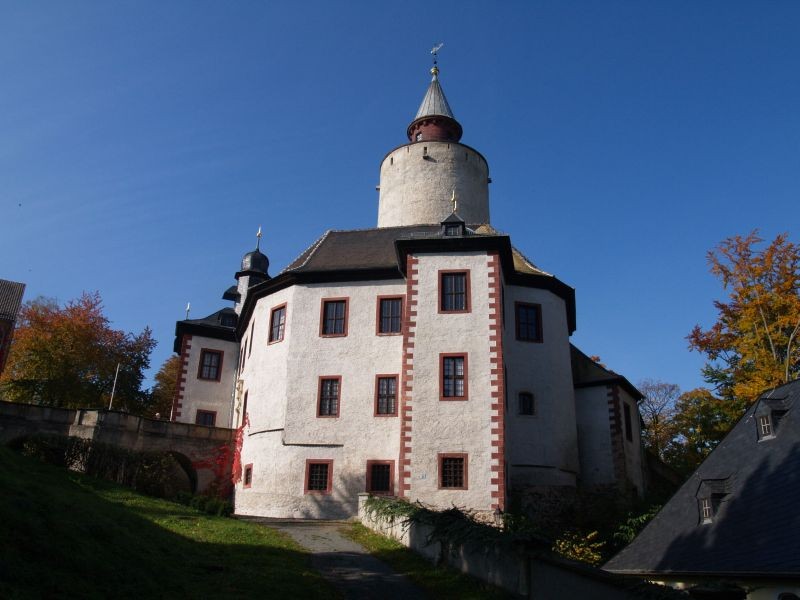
x: 434, y: 102
x: 434, y: 120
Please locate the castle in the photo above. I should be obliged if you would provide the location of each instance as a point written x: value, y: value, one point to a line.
x: 426, y: 358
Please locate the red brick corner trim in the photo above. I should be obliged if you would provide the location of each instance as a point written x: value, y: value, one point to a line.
x: 177, y: 403
x: 407, y: 375
x: 615, y: 430
x: 497, y: 384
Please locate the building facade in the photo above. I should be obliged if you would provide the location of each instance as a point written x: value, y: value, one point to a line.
x: 426, y: 358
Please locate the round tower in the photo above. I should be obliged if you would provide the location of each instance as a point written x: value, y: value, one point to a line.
x: 418, y: 179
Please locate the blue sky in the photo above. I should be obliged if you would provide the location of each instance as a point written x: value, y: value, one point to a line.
x: 143, y: 143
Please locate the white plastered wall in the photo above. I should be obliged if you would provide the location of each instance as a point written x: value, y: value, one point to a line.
x: 542, y: 449
x: 202, y: 394
x: 451, y: 426
x: 282, y: 383
x: 417, y: 182
x: 594, y: 436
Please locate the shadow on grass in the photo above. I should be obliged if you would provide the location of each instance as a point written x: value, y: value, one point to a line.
x: 66, y: 535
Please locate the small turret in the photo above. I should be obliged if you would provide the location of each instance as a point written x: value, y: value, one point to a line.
x: 255, y: 267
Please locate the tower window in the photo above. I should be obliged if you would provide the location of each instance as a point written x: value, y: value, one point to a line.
x: 419, y: 137
x: 386, y: 395
x: 454, y: 291
x: 529, y: 322
x: 390, y: 310
x: 210, y: 365
x: 277, y: 323
x: 247, y: 477
x: 334, y: 317
x: 453, y: 378
x: 328, y: 401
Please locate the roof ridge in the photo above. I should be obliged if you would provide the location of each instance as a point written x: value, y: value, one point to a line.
x: 310, y: 250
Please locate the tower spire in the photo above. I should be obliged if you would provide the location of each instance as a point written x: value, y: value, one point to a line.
x: 434, y: 120
x: 258, y: 238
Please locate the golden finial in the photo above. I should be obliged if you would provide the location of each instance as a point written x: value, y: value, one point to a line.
x: 454, y: 200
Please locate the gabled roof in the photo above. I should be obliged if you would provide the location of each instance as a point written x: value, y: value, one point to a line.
x: 755, y: 531
x: 588, y: 373
x: 434, y: 102
x: 10, y: 299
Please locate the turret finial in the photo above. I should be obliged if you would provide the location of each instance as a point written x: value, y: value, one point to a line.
x: 454, y: 200
x: 435, y: 52
x: 258, y: 238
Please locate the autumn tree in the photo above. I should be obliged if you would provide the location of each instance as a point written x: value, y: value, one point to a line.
x: 754, y: 344
x: 67, y: 357
x: 657, y: 409
x: 166, y: 384
x: 700, y: 420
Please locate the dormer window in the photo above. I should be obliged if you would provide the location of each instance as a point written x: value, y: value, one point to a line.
x: 765, y: 426
x: 452, y: 230
x: 706, y: 510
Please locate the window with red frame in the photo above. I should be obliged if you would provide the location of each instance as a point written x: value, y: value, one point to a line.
x: 390, y: 315
x: 379, y: 477
x: 328, y: 397
x: 334, y: 317
x: 528, y: 322
x: 386, y: 395
x: 454, y: 292
x: 210, y: 364
x: 318, y: 476
x: 207, y: 418
x: 277, y: 324
x: 453, y: 471
x: 454, y: 377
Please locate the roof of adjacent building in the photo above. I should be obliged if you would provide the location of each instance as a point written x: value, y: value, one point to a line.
x: 587, y: 372
x: 434, y: 102
x: 755, y: 529
x: 375, y: 249
x: 10, y: 299
x: 218, y: 325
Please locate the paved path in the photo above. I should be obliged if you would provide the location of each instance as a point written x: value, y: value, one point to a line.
x: 344, y: 563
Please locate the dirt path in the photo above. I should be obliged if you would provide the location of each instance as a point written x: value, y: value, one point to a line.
x: 347, y: 565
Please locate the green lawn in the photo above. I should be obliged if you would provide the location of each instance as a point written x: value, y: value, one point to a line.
x: 63, y: 535
x: 440, y: 582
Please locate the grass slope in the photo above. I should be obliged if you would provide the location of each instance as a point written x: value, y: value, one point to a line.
x: 66, y: 535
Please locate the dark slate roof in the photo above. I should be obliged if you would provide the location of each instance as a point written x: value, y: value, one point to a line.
x: 755, y: 532
x: 588, y: 373
x: 375, y: 249
x: 219, y: 325
x: 10, y: 299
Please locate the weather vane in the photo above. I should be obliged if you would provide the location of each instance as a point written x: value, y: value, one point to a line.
x: 435, y: 51
x: 258, y: 238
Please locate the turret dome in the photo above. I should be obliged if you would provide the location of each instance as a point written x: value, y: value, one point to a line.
x: 255, y: 261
